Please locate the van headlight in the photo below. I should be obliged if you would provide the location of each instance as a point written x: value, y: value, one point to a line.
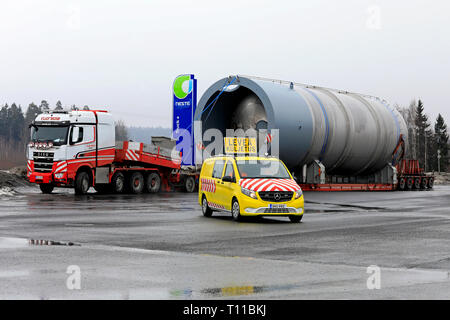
x: 59, y: 175
x: 298, y: 193
x: 249, y: 193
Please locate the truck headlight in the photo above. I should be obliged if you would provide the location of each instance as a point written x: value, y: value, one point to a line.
x: 298, y: 193
x: 59, y: 175
x: 249, y: 193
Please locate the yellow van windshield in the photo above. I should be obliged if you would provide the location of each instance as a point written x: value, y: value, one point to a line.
x: 262, y: 169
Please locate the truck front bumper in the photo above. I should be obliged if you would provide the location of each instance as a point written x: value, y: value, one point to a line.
x: 48, y: 177
x: 41, y: 177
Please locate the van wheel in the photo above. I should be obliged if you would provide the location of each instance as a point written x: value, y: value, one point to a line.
x: 296, y: 219
x: 118, y: 182
x: 207, y: 212
x: 46, y: 188
x: 235, y: 210
x: 82, y: 183
x: 153, y: 183
x: 136, y: 182
x: 189, y: 184
x: 430, y: 183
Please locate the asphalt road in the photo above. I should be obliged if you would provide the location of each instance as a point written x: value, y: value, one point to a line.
x: 160, y: 246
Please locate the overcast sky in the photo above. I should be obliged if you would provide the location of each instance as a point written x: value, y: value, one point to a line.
x: 124, y: 55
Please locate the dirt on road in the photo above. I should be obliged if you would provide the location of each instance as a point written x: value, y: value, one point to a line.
x: 15, y: 177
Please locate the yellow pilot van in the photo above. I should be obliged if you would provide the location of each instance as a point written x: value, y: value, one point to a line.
x: 249, y: 186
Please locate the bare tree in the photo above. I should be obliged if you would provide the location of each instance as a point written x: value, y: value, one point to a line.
x: 121, y: 131
x: 409, y: 115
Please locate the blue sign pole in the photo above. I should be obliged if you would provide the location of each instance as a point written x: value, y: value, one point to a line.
x: 184, y: 105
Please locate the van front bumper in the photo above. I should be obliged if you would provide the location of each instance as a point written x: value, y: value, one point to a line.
x: 274, y: 211
x: 258, y: 207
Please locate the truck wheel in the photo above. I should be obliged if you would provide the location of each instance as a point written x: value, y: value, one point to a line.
x: 402, y: 184
x: 82, y: 183
x: 409, y: 183
x: 207, y: 212
x: 423, y: 183
x: 136, y: 182
x: 417, y: 183
x: 46, y: 188
x: 235, y: 210
x: 189, y: 184
x: 118, y: 182
x: 430, y: 183
x: 153, y: 183
x: 296, y: 219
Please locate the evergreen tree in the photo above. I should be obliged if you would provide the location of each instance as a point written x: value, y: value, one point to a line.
x: 44, y: 106
x: 422, y: 126
x: 58, y: 105
x: 4, y: 132
x: 441, y: 140
x: 16, y: 123
x: 32, y: 111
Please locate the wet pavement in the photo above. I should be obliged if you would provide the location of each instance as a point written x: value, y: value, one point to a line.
x: 160, y: 246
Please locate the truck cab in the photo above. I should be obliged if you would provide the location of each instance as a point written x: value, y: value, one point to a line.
x: 67, y: 147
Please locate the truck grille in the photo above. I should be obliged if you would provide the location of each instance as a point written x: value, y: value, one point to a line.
x: 43, y: 161
x: 276, y: 196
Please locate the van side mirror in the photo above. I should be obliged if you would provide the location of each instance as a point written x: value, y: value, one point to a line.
x: 75, y: 135
x: 228, y: 179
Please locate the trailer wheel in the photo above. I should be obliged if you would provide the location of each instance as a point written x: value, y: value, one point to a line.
x: 417, y: 183
x: 136, y: 182
x: 153, y: 183
x: 82, y: 183
x: 46, y: 187
x: 424, y: 183
x: 409, y: 183
x: 118, y: 182
x: 402, y: 184
x: 430, y: 183
x: 189, y: 184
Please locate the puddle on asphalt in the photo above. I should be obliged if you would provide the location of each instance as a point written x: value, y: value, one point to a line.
x: 229, y: 291
x: 14, y: 273
x: 12, y: 243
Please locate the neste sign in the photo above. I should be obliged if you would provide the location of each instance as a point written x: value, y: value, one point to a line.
x: 184, y: 104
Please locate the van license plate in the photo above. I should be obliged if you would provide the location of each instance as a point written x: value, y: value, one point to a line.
x: 40, y: 177
x: 277, y: 206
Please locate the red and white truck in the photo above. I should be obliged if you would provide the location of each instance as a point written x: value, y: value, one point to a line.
x: 77, y: 149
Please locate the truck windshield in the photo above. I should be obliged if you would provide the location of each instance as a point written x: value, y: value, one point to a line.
x: 262, y: 169
x: 55, y: 134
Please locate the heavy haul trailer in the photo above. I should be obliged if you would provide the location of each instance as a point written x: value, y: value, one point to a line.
x: 331, y: 140
x: 77, y: 149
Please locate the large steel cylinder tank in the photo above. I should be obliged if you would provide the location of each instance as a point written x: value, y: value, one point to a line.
x: 351, y: 134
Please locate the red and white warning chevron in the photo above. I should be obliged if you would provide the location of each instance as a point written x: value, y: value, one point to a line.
x: 61, y: 167
x: 131, y: 155
x: 269, y: 184
x: 215, y: 205
x: 29, y: 167
x: 208, y: 185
